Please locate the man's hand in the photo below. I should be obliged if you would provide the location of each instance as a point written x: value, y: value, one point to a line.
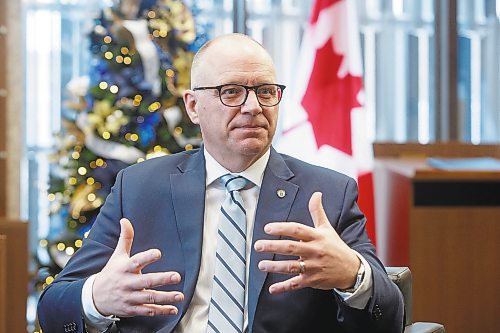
x: 327, y: 261
x: 121, y: 289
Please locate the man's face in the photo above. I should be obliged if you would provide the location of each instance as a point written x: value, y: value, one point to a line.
x: 235, y: 136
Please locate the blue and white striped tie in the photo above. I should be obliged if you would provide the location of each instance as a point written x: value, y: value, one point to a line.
x: 228, y: 291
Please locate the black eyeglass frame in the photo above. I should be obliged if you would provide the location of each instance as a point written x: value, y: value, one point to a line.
x: 247, y: 89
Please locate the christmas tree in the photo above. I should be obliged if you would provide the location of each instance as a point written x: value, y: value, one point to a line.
x: 127, y: 110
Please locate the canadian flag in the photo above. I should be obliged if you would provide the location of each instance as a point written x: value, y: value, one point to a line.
x: 326, y: 124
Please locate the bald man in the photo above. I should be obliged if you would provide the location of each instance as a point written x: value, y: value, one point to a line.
x: 167, y: 254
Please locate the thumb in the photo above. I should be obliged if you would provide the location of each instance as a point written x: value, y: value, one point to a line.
x: 316, y: 209
x: 126, y: 237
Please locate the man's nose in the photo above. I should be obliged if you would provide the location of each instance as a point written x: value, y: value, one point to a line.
x: 251, y: 105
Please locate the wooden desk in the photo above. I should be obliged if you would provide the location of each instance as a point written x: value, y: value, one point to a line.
x: 3, y: 283
x: 444, y: 225
x: 15, y: 289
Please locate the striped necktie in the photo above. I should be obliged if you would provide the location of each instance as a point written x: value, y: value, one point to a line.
x: 228, y: 291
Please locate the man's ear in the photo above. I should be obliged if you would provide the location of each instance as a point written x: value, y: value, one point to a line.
x: 190, y: 103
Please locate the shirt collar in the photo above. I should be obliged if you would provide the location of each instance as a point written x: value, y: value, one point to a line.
x: 254, y: 173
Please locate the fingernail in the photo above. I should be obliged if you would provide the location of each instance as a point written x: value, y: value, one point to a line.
x: 175, y: 278
x: 178, y: 297
x: 268, y: 228
x: 258, y: 246
x: 173, y: 311
x: 262, y: 266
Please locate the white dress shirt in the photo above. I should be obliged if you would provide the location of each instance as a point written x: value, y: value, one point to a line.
x: 196, y: 318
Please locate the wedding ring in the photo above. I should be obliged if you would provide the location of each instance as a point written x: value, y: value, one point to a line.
x: 302, y: 265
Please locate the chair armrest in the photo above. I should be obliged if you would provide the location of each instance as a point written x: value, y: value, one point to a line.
x: 401, y: 276
x: 425, y: 328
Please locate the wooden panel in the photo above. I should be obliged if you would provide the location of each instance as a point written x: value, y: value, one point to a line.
x: 3, y: 284
x: 454, y: 261
x: 449, y: 149
x: 17, y: 273
x: 3, y: 187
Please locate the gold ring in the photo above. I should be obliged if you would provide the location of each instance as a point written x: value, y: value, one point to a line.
x: 302, y: 265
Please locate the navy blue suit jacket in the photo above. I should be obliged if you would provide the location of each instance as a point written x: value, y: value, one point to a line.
x: 164, y: 199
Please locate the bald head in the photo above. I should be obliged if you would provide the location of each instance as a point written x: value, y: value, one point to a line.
x: 223, y: 50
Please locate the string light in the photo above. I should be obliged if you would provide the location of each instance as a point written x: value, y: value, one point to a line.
x: 51, y: 197
x: 78, y: 243
x: 119, y: 59
x: 43, y: 242
x: 178, y: 130
x: 61, y: 246
x: 75, y: 155
x: 124, y: 50
x: 151, y: 14
x: 70, y: 250
x: 108, y: 55
x: 113, y: 89
x: 106, y: 135
x: 107, y: 39
x: 103, y: 85
x: 90, y: 181
x: 72, y: 181
x: 127, y: 60
x: 170, y: 73
x: 99, y: 162
x: 91, y: 197
x: 82, y: 171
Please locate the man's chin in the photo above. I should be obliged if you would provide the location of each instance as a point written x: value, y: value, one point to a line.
x: 253, y: 147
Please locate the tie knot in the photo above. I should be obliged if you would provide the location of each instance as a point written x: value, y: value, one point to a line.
x: 234, y: 182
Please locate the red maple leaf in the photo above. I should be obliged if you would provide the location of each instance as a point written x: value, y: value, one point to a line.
x: 329, y: 100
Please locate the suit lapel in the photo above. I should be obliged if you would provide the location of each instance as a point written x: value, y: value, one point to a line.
x: 188, y: 195
x: 270, y: 208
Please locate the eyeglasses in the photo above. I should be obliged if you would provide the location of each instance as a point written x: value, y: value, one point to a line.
x: 237, y: 94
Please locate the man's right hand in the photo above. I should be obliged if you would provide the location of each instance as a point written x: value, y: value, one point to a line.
x: 121, y: 289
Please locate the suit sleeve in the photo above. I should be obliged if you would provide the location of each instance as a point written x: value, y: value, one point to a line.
x: 385, y: 310
x: 60, y: 307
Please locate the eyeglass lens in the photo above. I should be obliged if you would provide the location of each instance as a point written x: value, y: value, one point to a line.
x: 235, y: 95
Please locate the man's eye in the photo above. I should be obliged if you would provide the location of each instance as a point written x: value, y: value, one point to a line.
x: 231, y: 91
x: 266, y: 92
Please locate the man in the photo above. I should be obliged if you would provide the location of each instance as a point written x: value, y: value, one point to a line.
x: 175, y: 249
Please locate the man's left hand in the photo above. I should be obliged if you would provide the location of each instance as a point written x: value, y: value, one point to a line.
x: 327, y: 261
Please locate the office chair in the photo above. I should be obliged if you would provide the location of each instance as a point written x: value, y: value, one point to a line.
x: 401, y: 276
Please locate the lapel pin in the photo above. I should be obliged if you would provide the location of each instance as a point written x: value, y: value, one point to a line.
x: 281, y: 193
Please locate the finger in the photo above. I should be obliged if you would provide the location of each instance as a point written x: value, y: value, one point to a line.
x: 151, y: 280
x: 155, y: 297
x: 126, y: 237
x: 316, y: 209
x: 140, y: 260
x: 294, y: 283
x: 151, y: 310
x: 282, y: 267
x: 283, y: 246
x: 290, y: 229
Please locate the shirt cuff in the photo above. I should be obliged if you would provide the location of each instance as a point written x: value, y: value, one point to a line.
x: 361, y: 295
x: 95, y: 322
